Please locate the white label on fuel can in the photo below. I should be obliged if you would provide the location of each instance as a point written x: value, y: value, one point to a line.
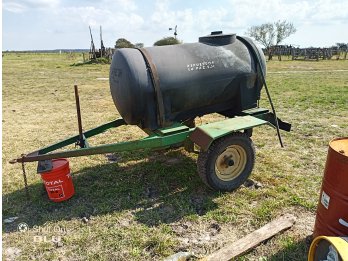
x: 55, y: 192
x: 325, y: 199
x: 343, y: 222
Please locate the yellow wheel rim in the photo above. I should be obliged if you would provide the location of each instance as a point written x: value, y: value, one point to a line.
x: 230, y: 163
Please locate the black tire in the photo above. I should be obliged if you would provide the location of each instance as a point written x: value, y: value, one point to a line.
x: 233, y: 154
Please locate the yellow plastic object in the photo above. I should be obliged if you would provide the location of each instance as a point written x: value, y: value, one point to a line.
x: 340, y: 246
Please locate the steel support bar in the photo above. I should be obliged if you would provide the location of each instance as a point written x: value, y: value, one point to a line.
x: 264, y: 114
x: 81, y: 141
x: 150, y: 142
x: 86, y: 134
x: 72, y: 140
x: 269, y: 117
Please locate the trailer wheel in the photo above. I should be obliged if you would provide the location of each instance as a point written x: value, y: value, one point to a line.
x: 227, y: 163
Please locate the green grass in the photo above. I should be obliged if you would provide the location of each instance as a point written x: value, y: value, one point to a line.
x: 149, y: 205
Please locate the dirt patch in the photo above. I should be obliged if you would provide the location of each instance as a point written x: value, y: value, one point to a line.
x: 295, y: 240
x: 203, y: 237
x: 12, y: 253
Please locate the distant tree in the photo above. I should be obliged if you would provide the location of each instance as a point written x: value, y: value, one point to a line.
x: 139, y: 45
x: 167, y: 41
x: 270, y: 34
x: 342, y: 46
x: 123, y: 43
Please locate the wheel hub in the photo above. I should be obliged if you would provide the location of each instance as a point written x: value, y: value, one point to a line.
x: 230, y: 163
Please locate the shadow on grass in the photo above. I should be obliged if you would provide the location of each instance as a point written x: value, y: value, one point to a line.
x: 162, y: 189
x: 292, y: 250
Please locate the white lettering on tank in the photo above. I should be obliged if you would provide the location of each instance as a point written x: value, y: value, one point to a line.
x: 204, y: 65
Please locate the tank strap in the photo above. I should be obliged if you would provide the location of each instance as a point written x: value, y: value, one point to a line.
x: 255, y: 52
x: 257, y: 57
x: 156, y: 84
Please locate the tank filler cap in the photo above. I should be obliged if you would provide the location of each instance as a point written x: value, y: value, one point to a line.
x: 217, y: 38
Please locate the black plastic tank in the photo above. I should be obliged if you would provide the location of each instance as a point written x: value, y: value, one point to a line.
x: 156, y: 86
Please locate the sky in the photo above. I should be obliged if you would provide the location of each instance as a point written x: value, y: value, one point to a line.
x: 63, y: 24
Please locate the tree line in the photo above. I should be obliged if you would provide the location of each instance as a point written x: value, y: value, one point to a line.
x: 267, y: 34
x: 270, y: 35
x: 124, y: 43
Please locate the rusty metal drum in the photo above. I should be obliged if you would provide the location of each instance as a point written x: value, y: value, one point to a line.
x: 332, y: 211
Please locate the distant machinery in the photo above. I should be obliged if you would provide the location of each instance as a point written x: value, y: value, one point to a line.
x: 92, y: 51
x: 102, y: 47
x: 102, y: 52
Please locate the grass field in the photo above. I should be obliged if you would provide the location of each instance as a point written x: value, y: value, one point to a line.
x: 148, y: 205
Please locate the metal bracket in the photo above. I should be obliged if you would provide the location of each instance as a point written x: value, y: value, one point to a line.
x: 204, y: 135
x: 44, y: 166
x: 264, y: 114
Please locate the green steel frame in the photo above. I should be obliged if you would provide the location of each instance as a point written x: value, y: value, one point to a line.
x: 154, y: 140
x: 176, y: 134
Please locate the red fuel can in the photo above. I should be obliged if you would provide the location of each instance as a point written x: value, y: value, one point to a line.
x: 58, y: 181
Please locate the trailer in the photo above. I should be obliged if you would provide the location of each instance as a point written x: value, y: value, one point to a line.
x: 163, y: 89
